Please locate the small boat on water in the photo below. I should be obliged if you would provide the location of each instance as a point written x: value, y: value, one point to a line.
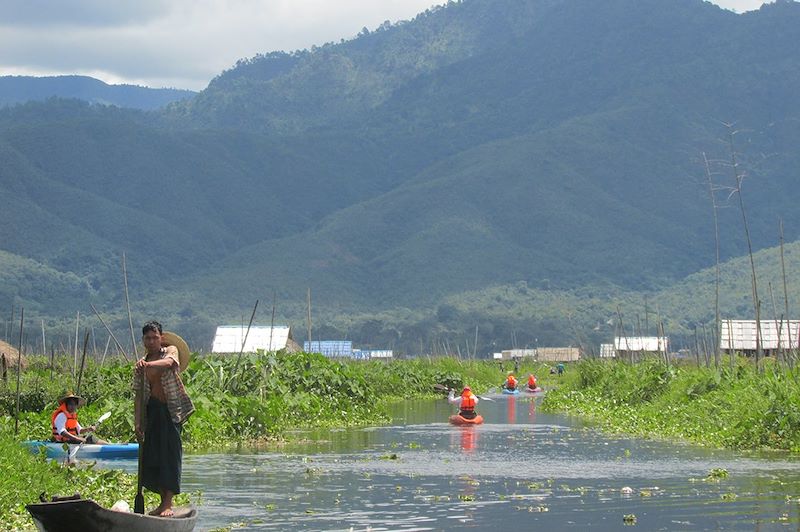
x: 515, y: 391
x: 533, y: 390
x: 85, y: 515
x: 86, y: 451
x: 457, y: 419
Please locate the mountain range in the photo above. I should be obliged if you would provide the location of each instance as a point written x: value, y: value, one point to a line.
x: 20, y: 89
x: 552, y: 150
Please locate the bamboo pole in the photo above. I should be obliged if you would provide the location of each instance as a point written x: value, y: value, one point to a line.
x: 739, y: 177
x: 75, y: 345
x: 44, y: 344
x: 103, y: 358
x: 792, y: 353
x: 696, y: 346
x: 119, y: 346
x: 128, y: 306
x: 19, y: 368
x: 272, y: 321
x: 239, y: 358
x: 308, y: 317
x: 730, y: 346
x: 711, y: 191
x: 83, y: 361
x: 778, y: 324
x: 94, y: 344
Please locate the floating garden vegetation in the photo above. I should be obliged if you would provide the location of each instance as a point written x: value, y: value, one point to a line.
x: 238, y: 402
x: 741, y: 408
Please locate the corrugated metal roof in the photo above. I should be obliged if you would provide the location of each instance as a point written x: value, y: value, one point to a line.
x: 641, y: 343
x: 741, y: 334
x: 228, y: 339
x: 329, y: 348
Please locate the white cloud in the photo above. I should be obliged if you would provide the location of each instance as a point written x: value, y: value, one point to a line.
x: 740, y: 5
x: 83, y: 13
x: 183, y: 43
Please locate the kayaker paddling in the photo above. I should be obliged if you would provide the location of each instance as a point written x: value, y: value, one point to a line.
x: 466, y: 402
x: 511, y: 382
x: 466, y: 407
x: 64, y: 422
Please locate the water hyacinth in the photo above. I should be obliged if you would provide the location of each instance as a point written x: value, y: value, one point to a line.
x: 702, y: 405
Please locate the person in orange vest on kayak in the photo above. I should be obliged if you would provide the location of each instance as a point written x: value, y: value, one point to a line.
x: 466, y: 402
x: 511, y: 382
x: 64, y: 422
x: 532, y: 381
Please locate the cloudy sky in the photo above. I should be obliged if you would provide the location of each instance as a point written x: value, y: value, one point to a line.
x: 183, y: 43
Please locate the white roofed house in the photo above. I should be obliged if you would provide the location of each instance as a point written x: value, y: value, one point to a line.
x: 742, y: 336
x: 558, y: 354
x: 627, y: 347
x: 229, y: 339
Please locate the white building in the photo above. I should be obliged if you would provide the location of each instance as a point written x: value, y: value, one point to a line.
x: 230, y: 339
x: 741, y: 335
x: 510, y: 354
x: 647, y: 344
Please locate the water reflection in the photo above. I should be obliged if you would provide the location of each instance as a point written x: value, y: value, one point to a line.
x: 468, y: 438
x: 521, y: 468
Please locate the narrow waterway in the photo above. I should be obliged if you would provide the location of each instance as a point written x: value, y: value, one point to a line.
x: 520, y: 470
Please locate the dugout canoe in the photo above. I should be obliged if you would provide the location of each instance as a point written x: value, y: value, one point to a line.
x: 85, y: 515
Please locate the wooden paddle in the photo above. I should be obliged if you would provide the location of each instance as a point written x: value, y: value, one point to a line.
x: 138, y: 502
x: 71, y: 456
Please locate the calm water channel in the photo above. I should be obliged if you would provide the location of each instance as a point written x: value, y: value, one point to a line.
x: 521, y: 470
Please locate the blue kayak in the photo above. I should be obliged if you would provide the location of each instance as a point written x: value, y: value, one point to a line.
x: 88, y: 451
x: 511, y: 392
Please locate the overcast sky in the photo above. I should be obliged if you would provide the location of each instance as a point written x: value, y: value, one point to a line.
x: 183, y: 43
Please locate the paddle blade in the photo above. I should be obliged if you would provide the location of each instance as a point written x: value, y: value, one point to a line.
x: 138, y: 503
x: 104, y: 417
x: 73, y: 453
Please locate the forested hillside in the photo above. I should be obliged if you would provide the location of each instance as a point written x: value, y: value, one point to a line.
x: 555, y: 145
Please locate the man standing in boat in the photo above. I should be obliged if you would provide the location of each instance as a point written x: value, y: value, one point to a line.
x: 161, y: 407
x: 64, y: 422
x: 466, y: 402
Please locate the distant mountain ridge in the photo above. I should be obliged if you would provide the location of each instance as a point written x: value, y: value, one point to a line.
x: 551, y: 144
x: 20, y: 89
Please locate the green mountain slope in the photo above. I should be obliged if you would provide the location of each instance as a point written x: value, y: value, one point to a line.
x: 554, y: 143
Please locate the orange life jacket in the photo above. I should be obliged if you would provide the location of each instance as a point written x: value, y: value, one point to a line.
x: 467, y: 402
x: 511, y: 383
x: 71, y: 425
x: 531, y: 381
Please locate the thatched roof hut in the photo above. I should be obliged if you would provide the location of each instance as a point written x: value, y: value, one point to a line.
x: 11, y: 355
